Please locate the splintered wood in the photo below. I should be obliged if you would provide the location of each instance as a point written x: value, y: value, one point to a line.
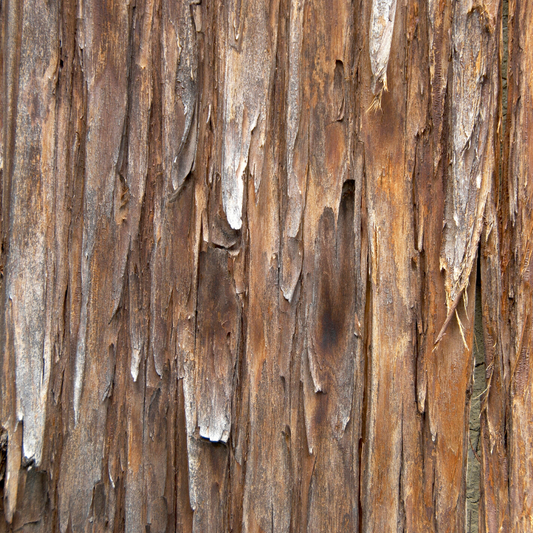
x: 241, y: 244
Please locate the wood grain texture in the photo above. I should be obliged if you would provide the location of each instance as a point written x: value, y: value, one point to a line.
x: 240, y: 250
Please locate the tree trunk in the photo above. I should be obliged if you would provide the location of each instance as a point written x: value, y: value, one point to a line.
x: 243, y: 245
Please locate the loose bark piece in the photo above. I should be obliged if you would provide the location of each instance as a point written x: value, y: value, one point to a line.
x: 250, y: 38
x: 381, y: 30
x: 297, y: 153
x: 474, y: 92
x: 30, y: 263
x: 217, y: 344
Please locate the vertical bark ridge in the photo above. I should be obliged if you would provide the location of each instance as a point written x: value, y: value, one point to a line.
x: 517, y: 234
x: 390, y: 429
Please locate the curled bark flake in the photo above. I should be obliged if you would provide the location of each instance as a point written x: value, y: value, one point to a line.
x: 381, y: 28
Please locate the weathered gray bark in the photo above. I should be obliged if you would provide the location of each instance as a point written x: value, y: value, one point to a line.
x: 238, y: 264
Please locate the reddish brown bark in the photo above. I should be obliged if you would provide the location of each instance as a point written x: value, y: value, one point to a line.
x: 239, y: 249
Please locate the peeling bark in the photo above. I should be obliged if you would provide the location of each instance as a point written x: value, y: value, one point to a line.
x: 238, y: 264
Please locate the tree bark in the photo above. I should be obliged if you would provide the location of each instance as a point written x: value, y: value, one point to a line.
x: 243, y: 243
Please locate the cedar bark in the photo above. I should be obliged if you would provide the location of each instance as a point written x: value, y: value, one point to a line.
x: 243, y: 243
